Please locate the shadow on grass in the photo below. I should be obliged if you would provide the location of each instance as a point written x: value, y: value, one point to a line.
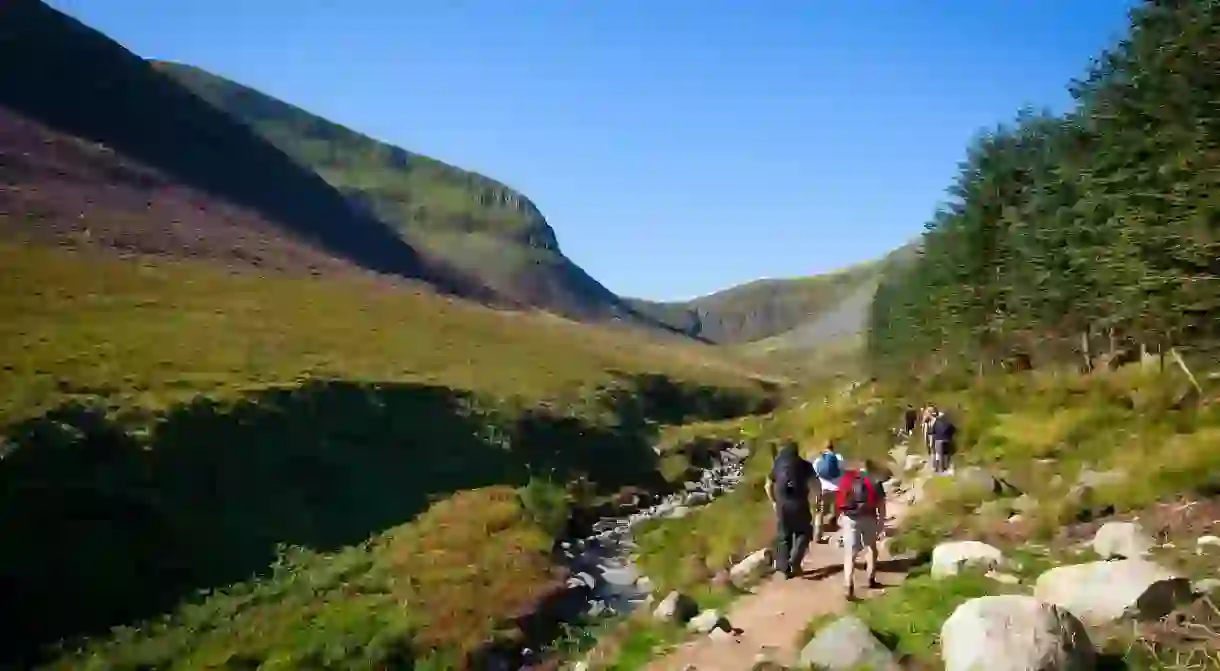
x: 102, y: 523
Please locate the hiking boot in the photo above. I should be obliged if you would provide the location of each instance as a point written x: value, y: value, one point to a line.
x: 873, y: 584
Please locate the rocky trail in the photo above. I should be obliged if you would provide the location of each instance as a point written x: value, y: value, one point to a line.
x: 767, y: 623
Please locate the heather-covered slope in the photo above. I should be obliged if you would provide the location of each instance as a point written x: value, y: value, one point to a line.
x: 211, y: 187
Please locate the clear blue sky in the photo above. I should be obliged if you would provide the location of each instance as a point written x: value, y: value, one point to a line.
x: 677, y: 146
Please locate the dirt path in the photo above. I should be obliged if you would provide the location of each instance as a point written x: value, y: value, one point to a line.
x: 770, y: 619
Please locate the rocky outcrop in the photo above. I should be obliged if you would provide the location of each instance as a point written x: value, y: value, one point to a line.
x: 1014, y: 633
x: 1106, y: 591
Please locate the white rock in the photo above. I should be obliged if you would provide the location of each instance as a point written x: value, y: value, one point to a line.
x: 707, y: 621
x: 1208, y: 541
x: 950, y: 558
x: 1005, y: 578
x: 1205, y: 586
x: 755, y: 563
x: 1105, y: 591
x: 847, y: 644
x: 1122, y: 539
x: 1014, y: 633
x: 675, y: 607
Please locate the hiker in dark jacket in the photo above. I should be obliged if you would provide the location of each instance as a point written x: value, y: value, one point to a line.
x: 943, y: 431
x: 909, y: 418
x: 788, y: 487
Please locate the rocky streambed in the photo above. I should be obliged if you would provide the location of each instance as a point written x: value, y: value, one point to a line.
x: 604, y: 578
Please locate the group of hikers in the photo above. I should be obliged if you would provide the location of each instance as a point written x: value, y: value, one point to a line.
x: 938, y: 433
x: 850, y: 498
x: 809, y: 497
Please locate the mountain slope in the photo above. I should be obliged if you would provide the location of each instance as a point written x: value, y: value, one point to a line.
x: 140, y: 133
x: 762, y: 308
x: 473, y: 222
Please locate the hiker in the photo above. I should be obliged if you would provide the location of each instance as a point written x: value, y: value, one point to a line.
x: 829, y: 469
x: 942, y: 431
x: 861, y: 505
x: 788, y: 487
x: 909, y: 418
x: 929, y: 416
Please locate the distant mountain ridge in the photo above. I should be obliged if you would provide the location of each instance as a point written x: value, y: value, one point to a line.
x: 762, y: 308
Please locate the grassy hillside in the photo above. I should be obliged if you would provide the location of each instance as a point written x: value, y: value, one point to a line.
x: 140, y: 135
x: 168, y: 424
x: 475, y: 223
x: 759, y: 309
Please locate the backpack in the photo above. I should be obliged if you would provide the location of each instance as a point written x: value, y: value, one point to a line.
x: 827, y: 466
x: 789, y: 479
x: 857, y: 495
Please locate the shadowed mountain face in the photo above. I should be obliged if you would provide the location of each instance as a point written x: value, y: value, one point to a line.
x: 101, y: 150
x: 474, y: 223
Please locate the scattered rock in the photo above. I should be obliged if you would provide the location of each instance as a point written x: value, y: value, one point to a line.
x: 1205, y: 542
x: 1122, y: 539
x: 1014, y: 633
x: 676, y: 607
x: 1004, y: 578
x: 679, y: 512
x: 751, y: 565
x: 950, y: 558
x: 1105, y: 591
x: 1025, y: 504
x: 708, y: 620
x: 847, y: 644
x: 914, y: 462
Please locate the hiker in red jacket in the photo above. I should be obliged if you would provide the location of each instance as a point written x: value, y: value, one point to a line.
x: 861, y: 505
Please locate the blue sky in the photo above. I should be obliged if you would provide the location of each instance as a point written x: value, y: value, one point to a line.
x: 677, y: 146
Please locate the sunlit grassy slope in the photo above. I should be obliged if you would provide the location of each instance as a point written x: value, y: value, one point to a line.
x: 168, y: 425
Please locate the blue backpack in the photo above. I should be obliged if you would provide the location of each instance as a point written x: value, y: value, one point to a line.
x: 827, y: 466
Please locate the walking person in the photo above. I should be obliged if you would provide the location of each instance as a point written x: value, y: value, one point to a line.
x: 829, y: 469
x: 861, y: 504
x: 929, y: 416
x: 788, y: 488
x: 909, y: 417
x: 943, y: 431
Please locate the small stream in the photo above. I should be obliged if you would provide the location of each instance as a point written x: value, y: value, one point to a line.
x: 601, y: 563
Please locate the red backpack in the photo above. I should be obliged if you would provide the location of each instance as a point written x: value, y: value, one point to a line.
x: 856, y: 494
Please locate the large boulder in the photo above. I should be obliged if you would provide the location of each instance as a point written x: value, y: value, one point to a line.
x: 1122, y: 539
x: 1014, y: 633
x: 847, y: 644
x: 1106, y: 591
x: 950, y: 558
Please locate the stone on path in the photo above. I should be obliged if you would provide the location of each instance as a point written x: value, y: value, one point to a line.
x: 847, y: 644
x: 1122, y: 539
x: 1014, y: 633
x: 676, y: 607
x: 708, y: 620
x: 752, y: 565
x: 1106, y: 591
x: 950, y: 558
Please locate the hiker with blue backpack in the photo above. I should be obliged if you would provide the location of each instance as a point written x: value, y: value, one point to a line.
x: 829, y: 469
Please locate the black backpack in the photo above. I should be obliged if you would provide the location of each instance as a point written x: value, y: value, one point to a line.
x: 791, y: 481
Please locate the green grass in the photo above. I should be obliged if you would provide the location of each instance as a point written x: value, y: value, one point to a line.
x: 425, y: 594
x: 168, y: 425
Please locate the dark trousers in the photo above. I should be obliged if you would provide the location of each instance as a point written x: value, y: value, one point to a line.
x: 793, y: 530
